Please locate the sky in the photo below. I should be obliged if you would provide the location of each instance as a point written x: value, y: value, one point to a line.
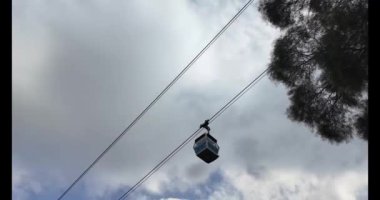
x: 83, y: 70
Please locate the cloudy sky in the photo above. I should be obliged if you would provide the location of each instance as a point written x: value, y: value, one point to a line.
x: 83, y: 70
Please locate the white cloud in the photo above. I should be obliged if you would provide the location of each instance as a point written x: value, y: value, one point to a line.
x: 287, y: 184
x: 224, y: 192
x: 23, y: 183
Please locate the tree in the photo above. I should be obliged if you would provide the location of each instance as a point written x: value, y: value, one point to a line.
x: 322, y: 58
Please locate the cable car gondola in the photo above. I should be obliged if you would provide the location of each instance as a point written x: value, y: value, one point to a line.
x: 205, y: 146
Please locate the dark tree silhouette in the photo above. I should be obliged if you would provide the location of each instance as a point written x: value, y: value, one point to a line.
x: 322, y: 58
